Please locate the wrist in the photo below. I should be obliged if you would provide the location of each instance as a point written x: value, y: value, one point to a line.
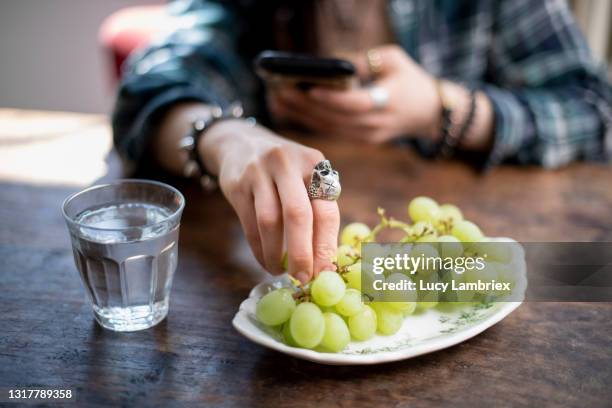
x: 174, y: 125
x: 221, y: 138
x: 457, y: 99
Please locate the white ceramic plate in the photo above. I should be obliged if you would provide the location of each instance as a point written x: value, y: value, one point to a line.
x: 420, y: 334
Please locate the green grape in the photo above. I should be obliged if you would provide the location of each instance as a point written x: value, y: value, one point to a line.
x: 336, y: 335
x: 400, y: 300
x: 423, y: 231
x: 354, y: 279
x: 382, y: 251
x: 388, y: 319
x: 493, y: 250
x: 430, y: 259
x: 506, y: 274
x: 346, y: 255
x: 328, y: 288
x: 450, y: 247
x: 467, y: 231
x: 287, y: 335
x: 489, y: 274
x: 475, y: 274
x: 428, y: 299
x: 450, y: 213
x: 353, y: 276
x: 354, y: 234
x: 517, y: 253
x: 276, y: 307
x: 426, y: 239
x: 327, y: 309
x: 350, y: 304
x: 423, y: 209
x: 406, y: 308
x: 307, y: 325
x: 367, y: 283
x: 363, y: 325
x: 457, y: 274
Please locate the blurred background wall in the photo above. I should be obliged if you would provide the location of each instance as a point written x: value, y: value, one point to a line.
x: 50, y: 57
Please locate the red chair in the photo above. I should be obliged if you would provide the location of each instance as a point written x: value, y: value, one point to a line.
x: 128, y: 29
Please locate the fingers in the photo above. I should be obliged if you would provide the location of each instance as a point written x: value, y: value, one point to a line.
x: 246, y: 214
x: 274, y: 208
x: 360, y: 62
x: 299, y: 104
x: 369, y: 128
x: 297, y: 216
x: 311, y: 228
x: 326, y: 227
x: 349, y: 102
x: 388, y: 57
x: 269, y: 224
x: 317, y: 112
x: 295, y: 112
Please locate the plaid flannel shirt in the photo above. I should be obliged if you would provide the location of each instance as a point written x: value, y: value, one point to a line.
x: 552, y: 102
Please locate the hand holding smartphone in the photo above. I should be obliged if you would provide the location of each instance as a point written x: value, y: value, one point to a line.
x: 280, y: 69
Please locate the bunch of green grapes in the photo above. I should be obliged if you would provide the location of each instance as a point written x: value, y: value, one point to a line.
x: 330, y: 311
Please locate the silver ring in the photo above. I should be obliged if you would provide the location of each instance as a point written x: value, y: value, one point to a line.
x: 379, y: 96
x: 324, y: 182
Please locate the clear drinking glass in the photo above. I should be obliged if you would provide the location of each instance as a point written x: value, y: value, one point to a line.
x: 125, y: 243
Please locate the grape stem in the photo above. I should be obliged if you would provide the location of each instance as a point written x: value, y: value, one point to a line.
x: 386, y: 222
x: 301, y: 293
x: 445, y: 226
x: 344, y: 269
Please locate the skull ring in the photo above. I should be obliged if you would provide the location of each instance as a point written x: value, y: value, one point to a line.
x: 324, y: 182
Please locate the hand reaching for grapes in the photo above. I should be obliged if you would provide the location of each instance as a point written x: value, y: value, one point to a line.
x: 355, y: 302
x: 412, y: 108
x: 264, y: 178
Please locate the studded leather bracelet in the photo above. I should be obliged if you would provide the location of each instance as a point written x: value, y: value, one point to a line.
x: 194, y: 167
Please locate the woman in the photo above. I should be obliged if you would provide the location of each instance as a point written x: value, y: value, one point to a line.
x: 519, y: 85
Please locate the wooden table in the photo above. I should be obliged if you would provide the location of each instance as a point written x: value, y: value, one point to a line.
x: 552, y: 354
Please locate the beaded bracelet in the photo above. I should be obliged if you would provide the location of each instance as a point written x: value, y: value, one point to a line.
x: 450, y: 141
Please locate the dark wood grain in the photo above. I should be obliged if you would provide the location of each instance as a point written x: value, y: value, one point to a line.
x: 549, y: 354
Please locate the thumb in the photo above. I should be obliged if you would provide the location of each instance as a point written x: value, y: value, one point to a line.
x: 359, y: 61
x: 376, y: 62
x: 386, y: 59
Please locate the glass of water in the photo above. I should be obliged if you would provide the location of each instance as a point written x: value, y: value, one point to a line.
x: 125, y: 243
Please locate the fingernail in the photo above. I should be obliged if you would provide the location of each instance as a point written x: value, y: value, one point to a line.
x: 330, y: 267
x: 303, y: 277
x: 327, y: 267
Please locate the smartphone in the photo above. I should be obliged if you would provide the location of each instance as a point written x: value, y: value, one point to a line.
x: 304, y: 71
